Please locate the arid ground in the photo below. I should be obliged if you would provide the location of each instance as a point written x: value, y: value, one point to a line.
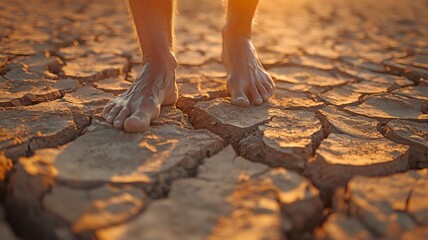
x: 339, y: 152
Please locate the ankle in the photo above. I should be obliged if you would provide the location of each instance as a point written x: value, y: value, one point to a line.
x: 167, y: 59
x: 236, y: 31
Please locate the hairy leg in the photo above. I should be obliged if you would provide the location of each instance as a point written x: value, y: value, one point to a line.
x: 248, y: 82
x: 134, y: 109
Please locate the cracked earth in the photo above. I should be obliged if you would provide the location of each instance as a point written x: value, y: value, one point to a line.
x: 339, y: 152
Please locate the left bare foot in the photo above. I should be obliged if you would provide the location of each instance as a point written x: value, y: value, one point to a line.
x: 247, y: 81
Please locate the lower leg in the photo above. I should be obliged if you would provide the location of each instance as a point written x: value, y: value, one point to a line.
x: 134, y: 109
x: 248, y: 81
x: 240, y: 15
x: 153, y: 20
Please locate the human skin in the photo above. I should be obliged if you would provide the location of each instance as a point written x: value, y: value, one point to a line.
x: 248, y: 82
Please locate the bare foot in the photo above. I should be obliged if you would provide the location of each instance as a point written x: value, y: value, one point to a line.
x: 134, y: 109
x: 248, y: 82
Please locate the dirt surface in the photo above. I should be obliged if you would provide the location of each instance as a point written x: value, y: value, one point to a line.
x: 339, y: 152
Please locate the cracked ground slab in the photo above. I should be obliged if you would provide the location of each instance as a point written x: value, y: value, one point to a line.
x: 81, y: 203
x: 381, y: 207
x: 25, y: 129
x: 413, y: 134
x: 340, y: 157
x: 336, y: 153
x: 226, y: 200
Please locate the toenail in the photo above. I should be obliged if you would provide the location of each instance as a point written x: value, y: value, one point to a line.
x: 240, y: 98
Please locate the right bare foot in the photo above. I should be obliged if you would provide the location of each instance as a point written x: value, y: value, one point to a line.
x: 134, y: 109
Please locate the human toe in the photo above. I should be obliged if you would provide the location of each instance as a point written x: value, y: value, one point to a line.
x: 263, y: 92
x: 269, y: 86
x: 120, y: 118
x: 240, y: 99
x: 137, y: 122
x: 113, y: 113
x: 107, y: 108
x: 255, y: 96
